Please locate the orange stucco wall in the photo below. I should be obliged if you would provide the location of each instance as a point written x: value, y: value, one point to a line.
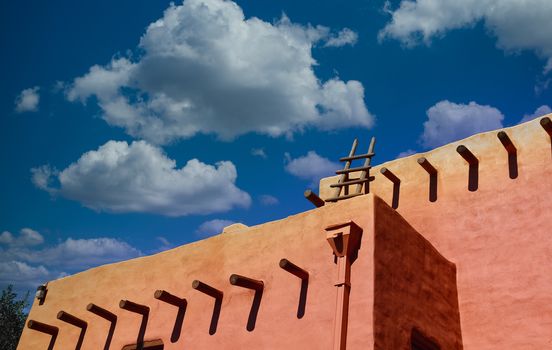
x: 499, y: 236
x: 253, y: 252
x: 399, y: 281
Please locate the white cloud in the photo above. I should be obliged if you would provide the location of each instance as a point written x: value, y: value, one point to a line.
x: 23, y: 275
x: 517, y: 25
x: 205, y: 68
x: 267, y: 200
x: 258, y: 152
x: 213, y: 227
x: 27, y: 237
x: 449, y: 122
x: 542, y: 110
x: 75, y: 254
x: 27, y: 100
x: 43, y: 176
x: 139, y: 177
x: 30, y: 237
x: 344, y: 37
x: 25, y: 265
x: 6, y: 237
x: 311, y: 167
x: 406, y: 153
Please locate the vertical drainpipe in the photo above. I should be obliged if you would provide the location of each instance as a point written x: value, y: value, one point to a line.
x: 344, y: 239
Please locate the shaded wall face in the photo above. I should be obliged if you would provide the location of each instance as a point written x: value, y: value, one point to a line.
x: 254, y: 252
x: 414, y: 287
x: 498, y: 236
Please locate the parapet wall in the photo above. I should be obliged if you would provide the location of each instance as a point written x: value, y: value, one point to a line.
x: 385, y: 281
x: 285, y: 315
x: 498, y: 233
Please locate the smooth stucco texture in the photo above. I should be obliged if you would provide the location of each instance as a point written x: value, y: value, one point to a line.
x: 253, y: 252
x: 499, y: 236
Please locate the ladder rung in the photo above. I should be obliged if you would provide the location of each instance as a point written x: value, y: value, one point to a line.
x: 360, y: 156
x: 350, y: 170
x: 335, y: 199
x: 350, y: 182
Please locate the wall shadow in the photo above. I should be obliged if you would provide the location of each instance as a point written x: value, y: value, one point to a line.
x: 432, y: 187
x: 81, y: 338
x: 142, y: 331
x: 52, y: 341
x: 252, y: 320
x: 110, y: 334
x: 473, y: 177
x: 396, y: 193
x: 303, y: 298
x: 215, y: 316
x: 177, y: 329
x: 512, y: 165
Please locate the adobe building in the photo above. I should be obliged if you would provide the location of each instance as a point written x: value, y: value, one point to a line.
x: 450, y: 249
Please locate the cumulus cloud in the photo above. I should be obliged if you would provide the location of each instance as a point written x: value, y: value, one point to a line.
x: 23, y: 275
x: 345, y: 37
x: 542, y: 110
x: 27, y: 100
x: 258, y: 152
x: 26, y: 262
x: 205, y: 68
x: 213, y: 227
x: 310, y: 167
x: 139, y: 177
x: 27, y: 237
x: 448, y: 121
x: 267, y: 200
x: 517, y: 25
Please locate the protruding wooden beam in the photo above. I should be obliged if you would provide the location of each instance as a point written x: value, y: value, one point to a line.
x: 207, y: 289
x: 388, y: 174
x: 42, y: 327
x: 314, y: 199
x: 246, y: 282
x: 467, y: 155
x: 100, y: 311
x: 427, y: 166
x: 506, y: 142
x: 169, y: 298
x: 73, y: 320
x: 294, y: 269
x: 546, y: 124
x: 133, y: 307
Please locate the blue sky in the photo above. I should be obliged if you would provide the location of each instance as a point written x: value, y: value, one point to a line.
x: 131, y: 127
